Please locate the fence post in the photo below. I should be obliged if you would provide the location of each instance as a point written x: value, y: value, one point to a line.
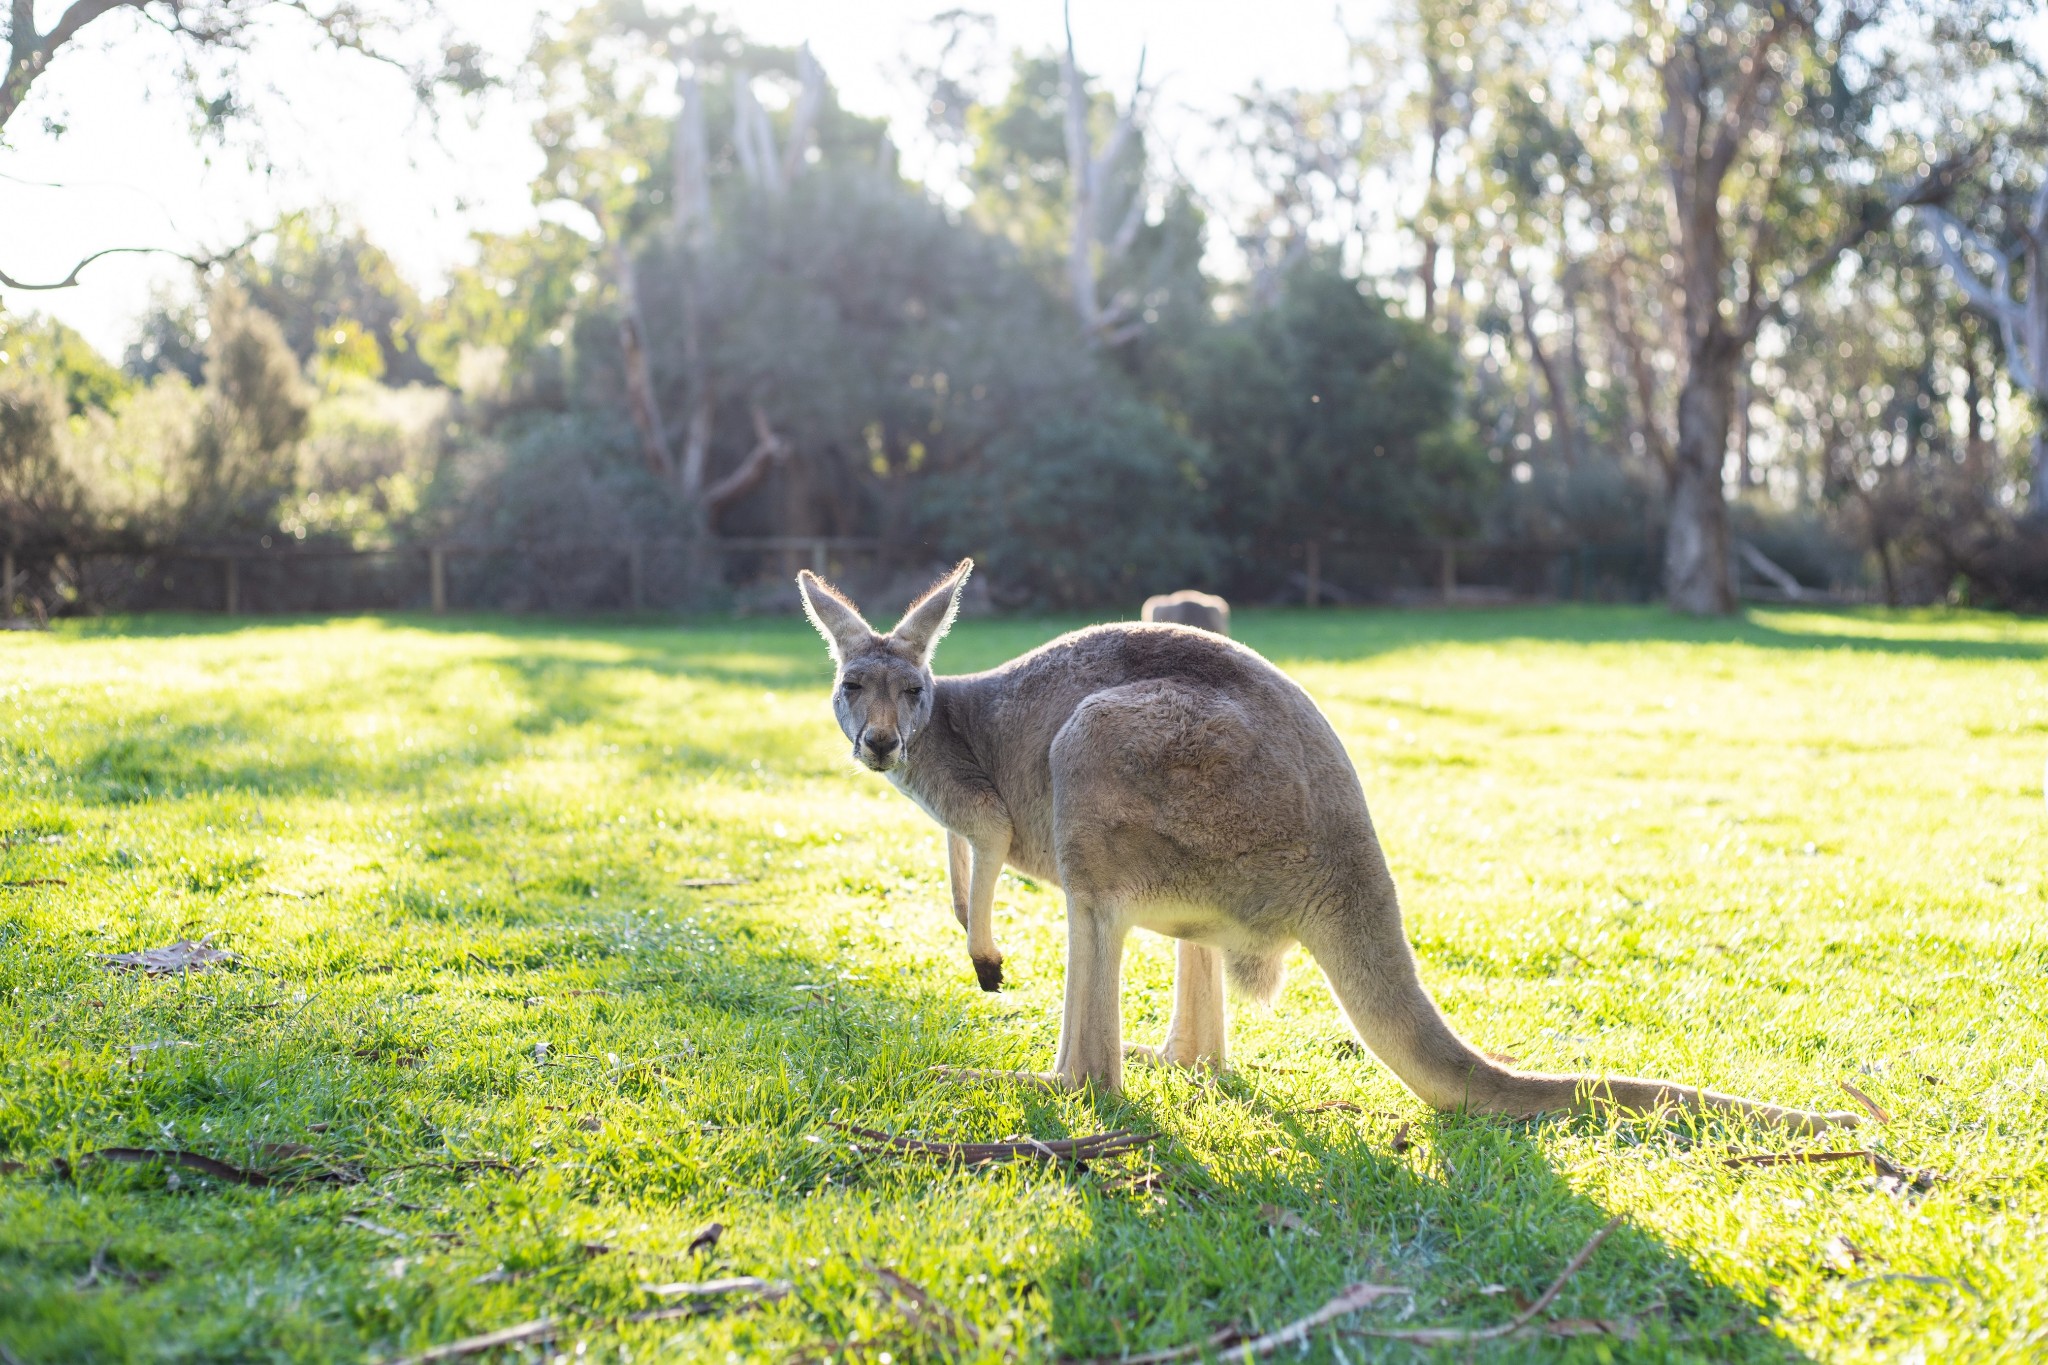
x: 1450, y: 571
x: 818, y: 557
x: 437, y: 578
x: 7, y: 583
x: 635, y: 556
x: 233, y: 567
x: 1312, y: 571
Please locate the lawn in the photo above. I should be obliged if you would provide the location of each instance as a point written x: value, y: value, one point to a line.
x: 555, y: 943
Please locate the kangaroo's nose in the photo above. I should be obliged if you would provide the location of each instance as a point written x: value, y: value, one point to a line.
x: 881, y: 745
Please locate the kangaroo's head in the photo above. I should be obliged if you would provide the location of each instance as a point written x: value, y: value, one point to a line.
x: 882, y: 692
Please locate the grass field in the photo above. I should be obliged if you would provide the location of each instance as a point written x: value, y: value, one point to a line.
x: 503, y: 1061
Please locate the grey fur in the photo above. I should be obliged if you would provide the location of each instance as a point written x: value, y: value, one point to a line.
x: 1170, y: 779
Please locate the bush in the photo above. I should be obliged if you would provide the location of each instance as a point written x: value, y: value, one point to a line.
x: 1078, y: 510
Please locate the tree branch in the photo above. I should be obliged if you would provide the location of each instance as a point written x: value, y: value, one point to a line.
x: 1933, y: 187
x: 769, y: 450
x: 208, y: 262
x: 1758, y: 79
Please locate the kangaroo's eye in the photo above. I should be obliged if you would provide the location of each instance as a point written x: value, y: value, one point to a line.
x: 850, y: 687
x: 913, y: 691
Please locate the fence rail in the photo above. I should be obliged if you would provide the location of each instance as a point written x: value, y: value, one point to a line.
x: 643, y: 573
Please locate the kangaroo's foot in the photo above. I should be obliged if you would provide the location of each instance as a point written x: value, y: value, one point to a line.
x: 1169, y: 1054
x: 1048, y: 1080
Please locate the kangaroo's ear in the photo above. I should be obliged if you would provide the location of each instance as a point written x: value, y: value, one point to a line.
x: 931, y: 615
x: 835, y: 617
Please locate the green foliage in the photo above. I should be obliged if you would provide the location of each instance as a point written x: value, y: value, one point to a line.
x: 46, y: 346
x: 1102, y: 504
x: 500, y: 323
x: 1776, y: 855
x: 1328, y: 417
x: 241, y: 461
x: 40, y: 496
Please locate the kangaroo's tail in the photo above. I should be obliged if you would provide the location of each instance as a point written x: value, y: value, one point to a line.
x: 1372, y: 970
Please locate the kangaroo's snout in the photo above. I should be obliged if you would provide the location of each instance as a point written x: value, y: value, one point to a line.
x: 878, y: 749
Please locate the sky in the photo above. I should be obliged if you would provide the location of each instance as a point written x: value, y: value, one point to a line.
x: 336, y: 130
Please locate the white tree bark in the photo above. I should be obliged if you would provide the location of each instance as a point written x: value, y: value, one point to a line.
x: 1088, y: 173
x: 2022, y: 322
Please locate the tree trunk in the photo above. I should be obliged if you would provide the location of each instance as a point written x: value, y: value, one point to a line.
x: 1696, y: 568
x: 1564, y: 433
x: 640, y: 397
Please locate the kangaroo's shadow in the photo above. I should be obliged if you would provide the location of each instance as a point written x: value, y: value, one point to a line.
x: 1261, y: 1213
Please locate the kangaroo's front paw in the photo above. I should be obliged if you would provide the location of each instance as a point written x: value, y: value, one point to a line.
x: 989, y: 972
x: 1050, y: 1080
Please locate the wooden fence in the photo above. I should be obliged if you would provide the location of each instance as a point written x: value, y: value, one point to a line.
x: 237, y: 579
x: 637, y: 575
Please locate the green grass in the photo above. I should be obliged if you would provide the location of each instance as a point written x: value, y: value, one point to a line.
x: 1769, y: 855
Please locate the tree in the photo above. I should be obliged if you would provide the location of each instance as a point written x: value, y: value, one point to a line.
x: 207, y: 39
x: 2021, y: 315
x: 1330, y: 420
x: 1779, y: 157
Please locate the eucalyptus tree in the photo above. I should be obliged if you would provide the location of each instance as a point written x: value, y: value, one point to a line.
x: 1749, y: 146
x: 2002, y: 270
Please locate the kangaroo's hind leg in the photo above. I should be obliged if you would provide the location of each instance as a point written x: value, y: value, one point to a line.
x: 1091, y: 1028
x: 1197, y: 1033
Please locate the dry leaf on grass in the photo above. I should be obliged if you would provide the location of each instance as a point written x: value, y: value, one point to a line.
x: 1400, y: 1142
x: 1286, y: 1219
x: 705, y: 1238
x: 186, y: 955
x: 1876, y: 1110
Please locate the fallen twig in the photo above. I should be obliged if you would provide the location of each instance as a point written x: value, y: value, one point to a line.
x: 36, y: 881
x: 537, y: 1330
x: 1349, y: 1300
x: 702, y: 1296
x: 712, y: 881
x: 1801, y: 1158
x: 712, y: 1289
x: 1876, y: 1110
x: 1077, y: 1150
x: 1458, y: 1336
x: 191, y: 1161
x: 1882, y: 1166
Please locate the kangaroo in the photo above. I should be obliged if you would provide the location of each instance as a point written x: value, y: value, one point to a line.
x: 1167, y: 778
x: 1187, y: 608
